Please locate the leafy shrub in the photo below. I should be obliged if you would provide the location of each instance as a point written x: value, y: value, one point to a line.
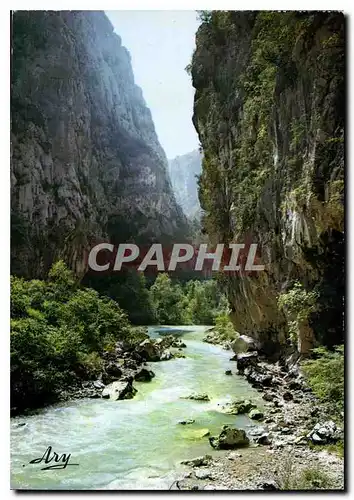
x: 325, y: 375
x: 291, y: 477
x: 92, y: 364
x: 58, y: 334
x: 297, y: 304
x: 224, y: 327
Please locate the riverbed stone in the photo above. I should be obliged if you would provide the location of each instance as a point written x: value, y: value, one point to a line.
x: 264, y: 439
x: 246, y: 360
x: 179, y: 355
x: 166, y: 355
x: 258, y: 379
x: 198, y: 461
x: 234, y: 455
x: 203, y: 474
x: 268, y: 396
x: 288, y: 396
x: 323, y: 433
x: 256, y: 414
x: 113, y: 370
x: 98, y: 384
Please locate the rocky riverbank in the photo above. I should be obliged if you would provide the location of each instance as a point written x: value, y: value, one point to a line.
x: 121, y: 367
x: 125, y: 365
x: 290, y: 446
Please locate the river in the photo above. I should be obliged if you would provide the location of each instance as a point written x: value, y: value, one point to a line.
x: 136, y: 443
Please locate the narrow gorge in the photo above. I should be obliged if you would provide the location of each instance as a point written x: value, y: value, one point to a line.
x: 178, y: 379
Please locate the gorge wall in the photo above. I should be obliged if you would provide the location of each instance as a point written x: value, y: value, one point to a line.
x: 86, y: 161
x: 269, y: 110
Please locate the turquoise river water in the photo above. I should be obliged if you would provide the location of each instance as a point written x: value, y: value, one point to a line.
x: 136, y: 443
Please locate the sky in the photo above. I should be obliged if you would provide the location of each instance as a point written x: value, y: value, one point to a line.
x: 161, y: 44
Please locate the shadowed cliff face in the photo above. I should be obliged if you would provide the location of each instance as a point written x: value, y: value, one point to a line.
x: 269, y: 111
x: 86, y: 164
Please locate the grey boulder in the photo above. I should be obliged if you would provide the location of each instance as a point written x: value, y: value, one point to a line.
x: 229, y: 438
x: 118, y: 390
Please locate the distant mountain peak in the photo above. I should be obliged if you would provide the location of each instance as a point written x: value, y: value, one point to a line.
x: 184, y: 171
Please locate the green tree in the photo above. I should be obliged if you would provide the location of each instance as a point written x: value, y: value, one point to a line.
x: 58, y: 335
x: 168, y: 300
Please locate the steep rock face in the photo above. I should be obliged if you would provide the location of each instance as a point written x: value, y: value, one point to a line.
x: 86, y: 161
x: 269, y: 111
x: 184, y: 171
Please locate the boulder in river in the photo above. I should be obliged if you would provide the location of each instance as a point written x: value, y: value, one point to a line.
x: 238, y: 407
x: 149, y: 350
x: 171, y: 341
x: 229, y: 438
x: 144, y: 375
x: 166, y: 355
x: 119, y: 390
x: 198, y: 397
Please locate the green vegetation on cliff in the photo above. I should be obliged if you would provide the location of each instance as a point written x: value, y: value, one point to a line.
x: 325, y: 375
x: 269, y: 112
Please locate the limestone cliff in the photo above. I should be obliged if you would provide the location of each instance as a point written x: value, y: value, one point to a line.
x: 269, y: 111
x: 86, y: 160
x: 184, y: 171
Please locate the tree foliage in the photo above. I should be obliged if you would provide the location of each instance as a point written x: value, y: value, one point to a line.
x: 58, y: 334
x: 197, y: 302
